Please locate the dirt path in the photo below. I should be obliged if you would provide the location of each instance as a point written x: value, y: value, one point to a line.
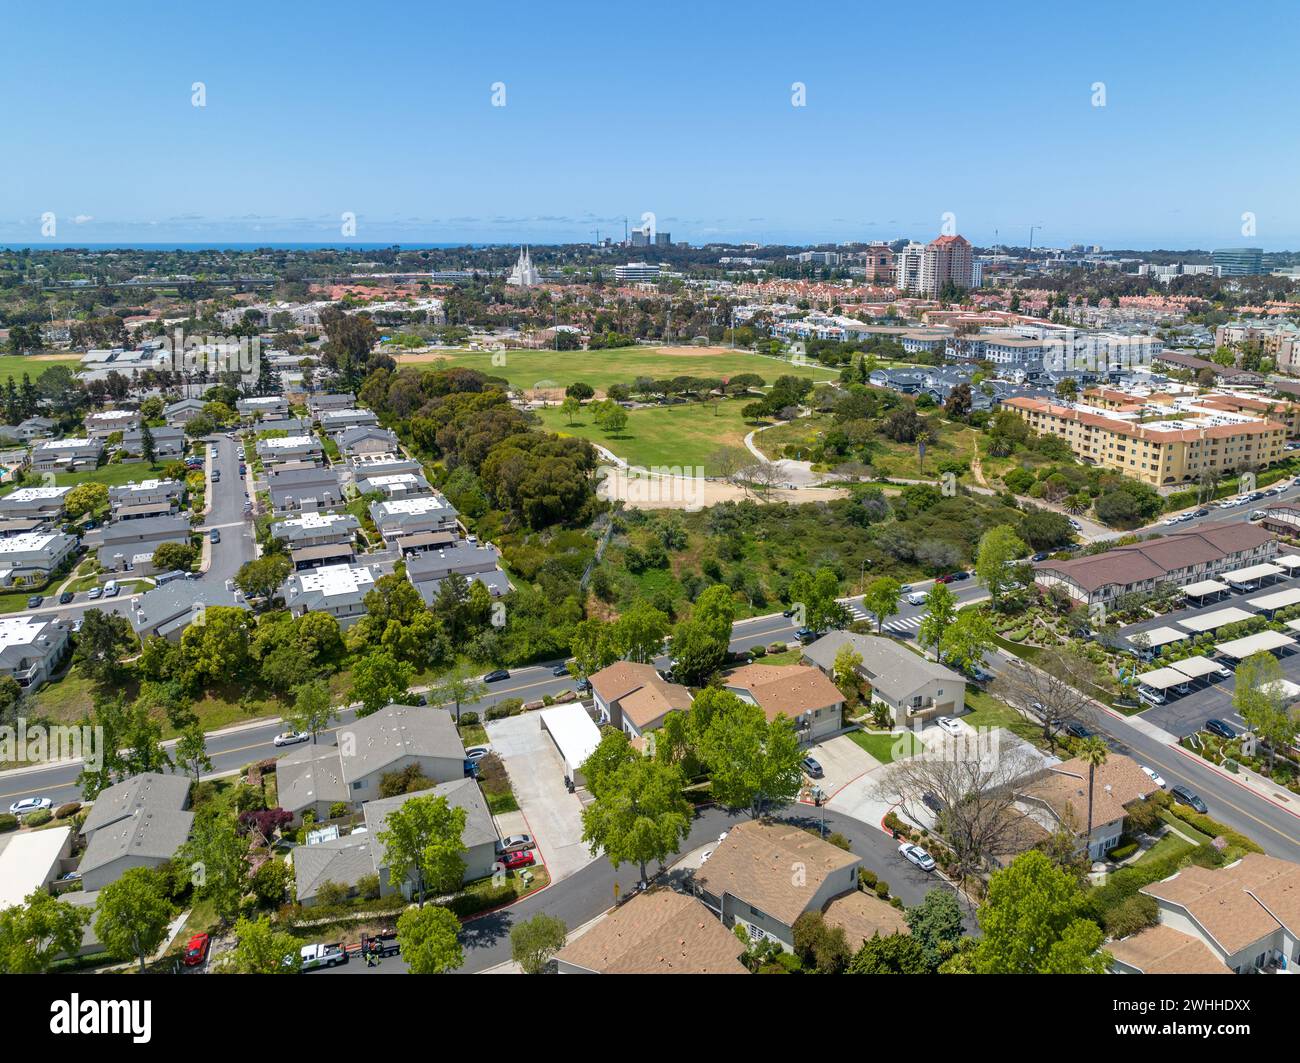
x: 976, y: 467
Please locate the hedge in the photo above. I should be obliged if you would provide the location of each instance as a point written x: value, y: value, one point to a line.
x: 8, y: 822
x: 1123, y: 852
x: 1214, y: 829
x: 40, y: 817
x: 70, y: 809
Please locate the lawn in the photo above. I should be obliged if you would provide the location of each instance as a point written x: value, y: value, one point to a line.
x: 114, y: 474
x: 886, y: 748
x: 1169, y: 845
x: 15, y: 365
x: 671, y: 436
x: 622, y: 365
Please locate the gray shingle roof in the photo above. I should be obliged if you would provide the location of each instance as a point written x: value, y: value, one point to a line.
x: 399, y: 731
x: 151, y: 790
x: 308, y: 774
x: 894, y: 669
x: 460, y: 793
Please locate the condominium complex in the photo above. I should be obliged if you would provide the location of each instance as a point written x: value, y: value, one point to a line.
x: 1174, y: 450
x: 946, y: 260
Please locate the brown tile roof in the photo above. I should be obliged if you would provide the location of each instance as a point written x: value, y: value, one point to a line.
x: 658, y: 932
x: 642, y: 693
x: 863, y: 916
x: 792, y: 689
x: 757, y: 863
x: 1117, y: 783
x: 1239, y: 904
x: 1164, y: 950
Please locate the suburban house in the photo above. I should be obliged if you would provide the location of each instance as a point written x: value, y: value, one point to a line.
x: 656, y: 932
x: 262, y: 406
x: 181, y: 413
x: 366, y: 439
x: 128, y: 545
x: 912, y: 687
x: 401, y: 517
x: 44, y: 503
x: 148, y: 498
x: 797, y: 691
x: 324, y: 401
x: 103, y: 424
x: 31, y: 648
x: 380, y: 464
x: 332, y: 421
x: 748, y: 882
x: 290, y: 426
x: 317, y: 775
x: 1057, y: 800
x: 862, y: 916
x: 276, y: 450
x: 635, y: 698
x: 345, y: 861
x: 168, y: 610
x: 316, y: 529
x: 1239, y: 919
x: 140, y: 822
x: 430, y: 563
x: 66, y: 455
x: 27, y: 430
x: 34, y: 556
x: 168, y: 443
x: 339, y: 590
x: 32, y: 860
x: 393, y: 484
x: 301, y: 486
x: 1187, y: 557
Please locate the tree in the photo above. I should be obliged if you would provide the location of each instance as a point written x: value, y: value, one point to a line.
x: 936, y: 924
x: 534, y: 941
x: 217, y: 650
x: 754, y: 763
x: 940, y: 612
x: 218, y: 853
x: 429, y: 940
x: 1031, y: 923
x: 697, y: 652
x: 638, y: 635
x: 37, y: 932
x: 148, y: 446
x: 422, y: 846
x: 816, y: 593
x: 457, y: 688
x: 845, y: 671
x: 312, y: 711
x: 192, y: 750
x: 570, y: 408
x: 1094, y: 755
x: 1259, y: 695
x: 894, y: 954
x: 996, y: 561
x: 132, y: 915
x: 174, y: 556
x: 593, y: 646
x: 104, y: 640
x: 638, y: 814
x: 262, y: 949
x: 881, y: 599
x: 965, y: 642
x: 1049, y: 691
x: 819, y: 947
x: 85, y: 500
x: 263, y: 576
x: 380, y: 680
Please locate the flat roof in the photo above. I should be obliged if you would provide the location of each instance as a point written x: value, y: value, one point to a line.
x: 1195, y: 667
x: 1206, y: 586
x: 1161, y: 636
x: 1278, y: 600
x: 1259, y: 643
x: 27, y: 862
x: 1215, y: 620
x: 1288, y: 561
x: 1162, y: 678
x: 574, y: 732
x: 1252, y: 572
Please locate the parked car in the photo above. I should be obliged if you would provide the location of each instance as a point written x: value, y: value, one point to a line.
x: 29, y: 804
x: 1223, y: 672
x: 1154, y: 776
x: 560, y: 671
x: 1184, y: 796
x: 806, y: 635
x: 916, y: 855
x: 980, y: 675
x: 947, y: 723
x: 933, y: 802
x: 946, y: 578
x: 111, y: 588
x: 496, y: 675
x: 511, y: 861
x: 1040, y: 556
x: 94, y: 592
x: 34, y: 601
x: 516, y: 843
x: 477, y: 752
x: 1077, y: 730
x: 1074, y: 524
x: 291, y: 738
x: 66, y: 597
x: 959, y: 576
x: 787, y: 613
x: 811, y: 768
x: 196, y: 950
x: 216, y: 476
x: 1220, y: 728
x: 1201, y: 513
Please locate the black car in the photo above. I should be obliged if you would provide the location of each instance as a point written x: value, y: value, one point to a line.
x: 980, y: 675
x: 34, y: 601
x: 933, y: 802
x: 1188, y: 797
x: 1077, y: 730
x: 787, y: 613
x: 1218, y: 727
x: 1039, y: 557
x: 1201, y: 513
x: 806, y: 635
x: 496, y: 676
x: 560, y: 671
x: 66, y: 597
x: 214, y: 535
x: 959, y: 576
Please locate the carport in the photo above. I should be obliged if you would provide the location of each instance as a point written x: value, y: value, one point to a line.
x: 1263, y: 642
x: 1203, y: 622
x: 1206, y: 588
x: 1196, y: 667
x: 1161, y: 681
x: 1159, y: 636
x: 1290, y: 562
x: 574, y: 735
x: 1294, y: 625
x: 1248, y: 577
x: 1270, y: 603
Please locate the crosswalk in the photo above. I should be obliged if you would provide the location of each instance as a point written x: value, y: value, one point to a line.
x: 906, y: 626
x: 856, y: 611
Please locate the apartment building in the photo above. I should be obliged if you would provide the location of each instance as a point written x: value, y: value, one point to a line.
x: 276, y: 450
x: 428, y: 568
x: 31, y: 558
x: 400, y: 517
x: 66, y: 455
x: 1156, y: 452
x: 263, y: 406
x: 45, y: 503
x: 103, y: 424
x: 31, y: 648
x: 339, y: 590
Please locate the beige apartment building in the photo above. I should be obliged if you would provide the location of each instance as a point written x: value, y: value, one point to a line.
x: 1158, y: 452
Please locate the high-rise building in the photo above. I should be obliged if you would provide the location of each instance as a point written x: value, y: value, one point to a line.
x: 907, y: 267
x: 1239, y: 261
x: 636, y: 271
x: 639, y: 238
x: 878, y: 263
x: 663, y: 239
x: 947, y: 260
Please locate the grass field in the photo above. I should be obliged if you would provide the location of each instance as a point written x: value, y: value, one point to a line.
x: 664, y: 435
x: 622, y: 365
x: 15, y: 365
x: 113, y: 474
x: 886, y: 748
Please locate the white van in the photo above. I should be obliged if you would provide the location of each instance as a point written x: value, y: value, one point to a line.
x: 111, y: 588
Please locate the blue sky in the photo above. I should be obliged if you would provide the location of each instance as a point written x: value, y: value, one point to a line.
x: 682, y: 109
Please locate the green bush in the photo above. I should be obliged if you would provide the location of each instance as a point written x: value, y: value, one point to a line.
x: 758, y: 651
x: 882, y: 890
x: 70, y: 809
x: 1123, y: 852
x: 866, y: 878
x: 40, y: 818
x: 339, y: 809
x: 1131, y: 915
x: 1214, y: 829
x: 505, y: 707
x: 469, y: 719
x: 8, y: 822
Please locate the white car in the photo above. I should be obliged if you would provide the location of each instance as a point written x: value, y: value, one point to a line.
x: 29, y: 804
x: 1223, y: 673
x: 477, y: 752
x: 949, y: 724
x: 916, y: 598
x: 291, y: 738
x: 916, y: 855
x: 1169, y: 522
x: 1154, y: 776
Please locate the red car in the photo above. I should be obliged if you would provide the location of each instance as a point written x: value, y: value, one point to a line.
x: 945, y: 579
x: 515, y: 860
x: 197, y: 950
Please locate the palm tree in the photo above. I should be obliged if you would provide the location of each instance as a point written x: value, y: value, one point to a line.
x: 922, y: 438
x: 1094, y: 755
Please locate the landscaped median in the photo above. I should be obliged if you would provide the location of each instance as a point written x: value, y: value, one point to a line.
x: 1231, y: 755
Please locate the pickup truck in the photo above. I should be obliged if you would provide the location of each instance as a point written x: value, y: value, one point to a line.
x: 331, y: 955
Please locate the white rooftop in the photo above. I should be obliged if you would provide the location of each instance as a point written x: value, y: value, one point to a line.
x: 1162, y: 679
x: 573, y: 731
x: 416, y: 505
x: 1206, y: 586
x: 1251, y: 644
x: 21, y: 630
x: 336, y: 579
x: 27, y: 862
x: 28, y: 541
x: 276, y: 442
x: 1216, y: 619
x: 32, y: 494
x: 65, y: 444
x: 1196, y: 667
x: 1251, y: 573
x: 1161, y: 636
x: 393, y: 479
x: 1289, y: 561
x: 1277, y: 600
x: 317, y: 520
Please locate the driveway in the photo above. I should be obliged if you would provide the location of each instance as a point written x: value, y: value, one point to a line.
x: 553, y: 815
x: 842, y: 761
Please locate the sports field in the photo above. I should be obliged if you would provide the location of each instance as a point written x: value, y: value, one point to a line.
x: 622, y: 365
x: 683, y: 435
x: 15, y: 365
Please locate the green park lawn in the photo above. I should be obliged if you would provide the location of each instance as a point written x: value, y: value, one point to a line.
x: 114, y: 474
x: 683, y: 435
x: 621, y: 365
x: 15, y: 365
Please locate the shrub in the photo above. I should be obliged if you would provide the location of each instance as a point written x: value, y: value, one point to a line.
x: 331, y: 895
x: 505, y: 707
x: 839, y: 841
x: 1123, y: 852
x: 759, y: 650
x: 882, y: 890
x: 866, y: 878
x: 1214, y: 829
x: 469, y: 719
x: 8, y: 822
x: 40, y: 817
x: 776, y: 647
x: 340, y: 809
x: 1131, y: 915
x: 70, y: 809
